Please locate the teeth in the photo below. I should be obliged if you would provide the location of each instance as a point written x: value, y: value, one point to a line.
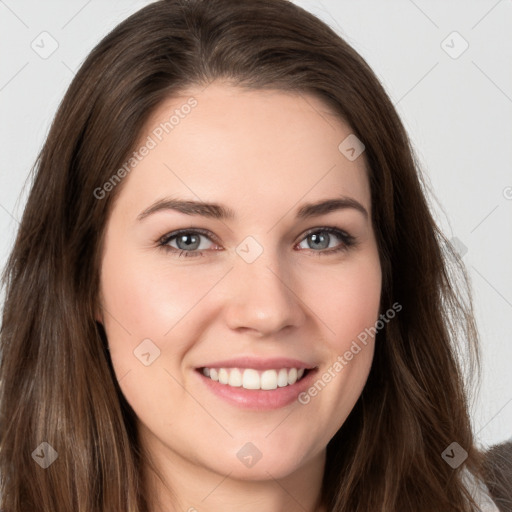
x: 251, y: 379
x: 235, y: 378
x: 292, y: 376
x: 269, y: 379
x: 223, y: 376
x: 282, y: 378
x: 254, y: 379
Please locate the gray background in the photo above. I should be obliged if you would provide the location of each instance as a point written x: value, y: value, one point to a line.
x: 455, y: 102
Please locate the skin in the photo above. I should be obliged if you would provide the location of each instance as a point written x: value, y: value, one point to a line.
x: 263, y: 154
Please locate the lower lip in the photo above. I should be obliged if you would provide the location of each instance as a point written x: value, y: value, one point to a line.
x: 257, y: 399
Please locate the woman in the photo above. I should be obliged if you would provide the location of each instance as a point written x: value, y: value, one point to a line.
x: 227, y: 290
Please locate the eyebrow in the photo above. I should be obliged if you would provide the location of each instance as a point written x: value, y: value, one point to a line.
x: 220, y: 212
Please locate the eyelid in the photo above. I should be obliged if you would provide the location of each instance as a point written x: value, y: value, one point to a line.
x: 347, y: 240
x: 328, y: 229
x: 173, y: 234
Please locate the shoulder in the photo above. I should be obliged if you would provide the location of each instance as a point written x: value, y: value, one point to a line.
x: 498, y: 474
x: 480, y: 493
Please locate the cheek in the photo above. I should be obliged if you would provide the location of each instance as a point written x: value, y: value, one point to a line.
x: 148, y: 296
x: 346, y: 300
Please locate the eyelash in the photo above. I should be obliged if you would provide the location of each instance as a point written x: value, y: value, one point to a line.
x: 347, y: 240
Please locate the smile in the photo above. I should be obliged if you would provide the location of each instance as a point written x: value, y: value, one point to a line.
x: 249, y: 378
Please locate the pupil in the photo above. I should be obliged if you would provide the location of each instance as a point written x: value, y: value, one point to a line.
x: 191, y: 244
x: 322, y: 241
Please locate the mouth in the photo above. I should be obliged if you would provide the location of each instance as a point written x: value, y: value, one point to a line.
x: 257, y: 384
x: 251, y: 378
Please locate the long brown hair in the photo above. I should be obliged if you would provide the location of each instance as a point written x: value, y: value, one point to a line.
x: 57, y: 381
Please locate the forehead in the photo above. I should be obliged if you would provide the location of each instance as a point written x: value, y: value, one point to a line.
x: 232, y: 144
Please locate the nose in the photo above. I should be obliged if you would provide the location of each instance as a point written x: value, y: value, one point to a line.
x: 263, y: 297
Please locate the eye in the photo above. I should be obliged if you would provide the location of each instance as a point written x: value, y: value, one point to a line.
x: 187, y: 242
x: 325, y: 238
x: 191, y: 242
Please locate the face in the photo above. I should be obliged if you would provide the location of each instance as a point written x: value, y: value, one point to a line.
x: 239, y: 266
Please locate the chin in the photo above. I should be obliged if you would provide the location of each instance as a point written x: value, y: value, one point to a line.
x: 262, y: 461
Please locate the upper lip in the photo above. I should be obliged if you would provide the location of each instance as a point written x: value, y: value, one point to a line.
x: 259, y: 363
